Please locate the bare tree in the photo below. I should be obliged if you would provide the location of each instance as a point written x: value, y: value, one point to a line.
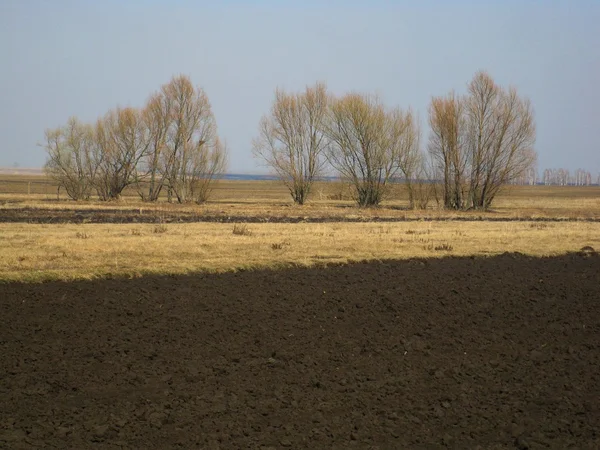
x: 71, y: 159
x: 447, y: 147
x: 156, y: 117
x: 562, y: 177
x: 193, y: 154
x: 291, y: 139
x: 367, y: 144
x: 582, y: 177
x: 122, y: 141
x: 481, y: 142
x: 207, y: 165
x: 559, y: 177
x: 420, y: 180
x: 412, y: 162
x: 528, y: 178
x: 501, y: 135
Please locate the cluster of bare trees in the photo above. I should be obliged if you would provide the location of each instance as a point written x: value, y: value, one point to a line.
x: 369, y: 144
x: 365, y: 142
x: 527, y: 178
x: 171, y: 144
x: 557, y: 177
x: 73, y: 158
x: 562, y: 177
x: 478, y: 143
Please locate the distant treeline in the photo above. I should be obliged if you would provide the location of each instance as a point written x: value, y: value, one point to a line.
x: 477, y: 143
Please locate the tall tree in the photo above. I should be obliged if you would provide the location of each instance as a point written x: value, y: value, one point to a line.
x: 501, y: 135
x: 368, y: 143
x: 72, y: 162
x: 172, y: 142
x: 122, y: 141
x: 156, y: 118
x: 193, y: 155
x: 447, y: 147
x: 291, y: 139
x: 481, y: 142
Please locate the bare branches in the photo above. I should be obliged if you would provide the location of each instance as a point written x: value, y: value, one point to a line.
x: 369, y: 144
x: 156, y: 117
x: 123, y: 142
x: 480, y: 142
x: 192, y: 154
x: 447, y: 146
x: 502, y: 131
x: 171, y: 143
x: 207, y: 163
x: 562, y: 177
x: 291, y: 139
x: 71, y: 158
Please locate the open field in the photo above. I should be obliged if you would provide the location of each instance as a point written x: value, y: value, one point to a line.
x: 445, y: 330
x: 68, y: 251
x: 491, y: 353
x: 42, y: 238
x: 270, y: 198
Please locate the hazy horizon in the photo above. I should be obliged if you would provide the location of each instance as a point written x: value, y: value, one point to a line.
x: 82, y: 58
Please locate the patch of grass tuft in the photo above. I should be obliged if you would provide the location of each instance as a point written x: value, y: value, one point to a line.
x: 418, y: 232
x: 160, y: 228
x: 539, y: 225
x: 279, y: 245
x: 241, y: 230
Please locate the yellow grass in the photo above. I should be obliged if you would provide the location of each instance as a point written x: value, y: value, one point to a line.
x: 257, y: 198
x: 41, y: 252
x: 505, y: 207
x: 65, y: 251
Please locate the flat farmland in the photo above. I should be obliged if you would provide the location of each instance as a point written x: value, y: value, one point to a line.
x: 248, y: 322
x: 328, y: 199
x: 253, y: 224
x: 496, y: 353
x: 39, y: 252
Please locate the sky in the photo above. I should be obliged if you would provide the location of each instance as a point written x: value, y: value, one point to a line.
x: 81, y: 58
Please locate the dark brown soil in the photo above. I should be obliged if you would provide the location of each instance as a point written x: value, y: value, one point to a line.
x: 460, y: 353
x: 74, y: 215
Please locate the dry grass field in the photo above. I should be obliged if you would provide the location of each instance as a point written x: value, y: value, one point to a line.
x: 35, y: 252
x: 332, y: 199
x: 41, y: 251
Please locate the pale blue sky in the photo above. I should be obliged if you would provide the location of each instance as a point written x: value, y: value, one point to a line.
x: 61, y: 58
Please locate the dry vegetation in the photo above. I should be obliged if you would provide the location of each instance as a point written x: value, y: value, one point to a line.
x: 68, y: 251
x: 331, y: 199
x: 36, y: 252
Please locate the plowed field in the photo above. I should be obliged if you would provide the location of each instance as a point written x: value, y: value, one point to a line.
x: 499, y: 352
